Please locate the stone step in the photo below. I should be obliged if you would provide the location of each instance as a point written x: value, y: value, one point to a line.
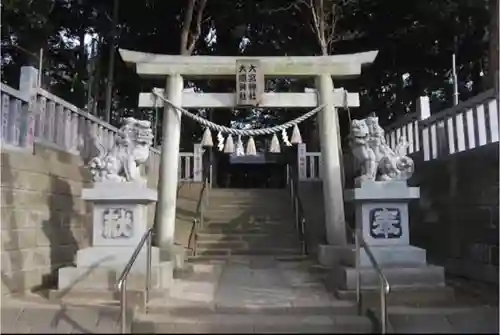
x: 206, y: 259
x: 476, y: 320
x: 247, y: 192
x: 400, y: 256
x: 236, y: 203
x: 248, y: 244
x: 100, y: 297
x: 223, y: 259
x: 250, y: 207
x: 412, y: 296
x: 227, y: 229
x: 202, y: 237
x: 104, y: 279
x: 247, y: 218
x: 244, y: 323
x: 261, y: 201
x: 193, y: 269
x: 259, y: 204
x: 430, y: 275
x: 221, y: 245
x: 264, y: 200
x: 193, y: 308
x: 276, y: 226
x: 238, y: 219
x: 255, y: 252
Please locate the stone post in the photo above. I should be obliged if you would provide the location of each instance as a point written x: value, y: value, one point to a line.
x: 301, y: 161
x: 169, y: 161
x: 28, y: 84
x: 197, y: 163
x: 331, y: 163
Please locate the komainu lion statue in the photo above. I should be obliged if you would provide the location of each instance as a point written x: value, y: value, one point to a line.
x: 376, y: 160
x: 131, y: 149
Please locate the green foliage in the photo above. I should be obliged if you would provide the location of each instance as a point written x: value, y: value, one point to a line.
x: 415, y: 39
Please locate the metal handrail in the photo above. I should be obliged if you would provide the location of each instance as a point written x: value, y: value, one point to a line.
x: 122, y: 280
x: 300, y: 219
x: 199, y: 220
x: 384, y: 287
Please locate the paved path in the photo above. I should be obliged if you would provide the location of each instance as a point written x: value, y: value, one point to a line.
x: 477, y: 320
x: 252, y: 294
x: 282, y: 291
x: 21, y: 316
x: 256, y: 282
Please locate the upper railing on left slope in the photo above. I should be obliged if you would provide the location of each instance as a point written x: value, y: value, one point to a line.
x: 32, y: 114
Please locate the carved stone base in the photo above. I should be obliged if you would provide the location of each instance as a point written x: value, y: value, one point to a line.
x: 102, y: 278
x: 119, y: 223
x: 115, y: 258
x: 387, y: 256
x: 381, y: 211
x: 120, y: 213
x: 405, y: 267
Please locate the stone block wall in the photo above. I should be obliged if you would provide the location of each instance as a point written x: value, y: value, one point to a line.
x: 457, y: 217
x: 44, y: 221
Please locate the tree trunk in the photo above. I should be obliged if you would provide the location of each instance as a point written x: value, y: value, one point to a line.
x: 111, y: 68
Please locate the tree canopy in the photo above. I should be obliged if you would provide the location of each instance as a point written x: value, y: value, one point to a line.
x: 415, y: 39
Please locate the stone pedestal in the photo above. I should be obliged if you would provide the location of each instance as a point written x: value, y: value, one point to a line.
x: 119, y: 223
x: 381, y: 211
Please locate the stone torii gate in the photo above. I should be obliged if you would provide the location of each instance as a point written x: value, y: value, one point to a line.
x: 323, y: 68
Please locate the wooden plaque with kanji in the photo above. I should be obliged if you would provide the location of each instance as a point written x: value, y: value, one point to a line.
x: 249, y: 82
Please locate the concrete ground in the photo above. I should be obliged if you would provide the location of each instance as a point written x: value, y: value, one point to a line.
x: 32, y: 315
x: 251, y: 293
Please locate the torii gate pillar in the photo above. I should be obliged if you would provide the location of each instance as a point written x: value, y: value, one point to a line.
x: 168, y: 176
x: 331, y: 163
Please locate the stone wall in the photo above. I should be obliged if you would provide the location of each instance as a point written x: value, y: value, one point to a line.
x: 44, y: 221
x: 456, y: 220
x: 457, y: 217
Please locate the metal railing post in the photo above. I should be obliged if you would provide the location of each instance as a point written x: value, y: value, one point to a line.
x: 385, y: 287
x: 383, y: 307
x: 123, y: 307
x: 149, y: 246
x: 122, y: 281
x: 358, y: 276
x: 195, y: 249
x: 304, y: 242
x: 297, y: 218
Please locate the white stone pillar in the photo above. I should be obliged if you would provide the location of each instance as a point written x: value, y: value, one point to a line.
x: 331, y: 163
x: 28, y: 84
x: 169, y: 160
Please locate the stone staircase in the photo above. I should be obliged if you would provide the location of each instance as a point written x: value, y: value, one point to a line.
x: 250, y: 294
x: 247, y: 222
x: 249, y: 276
